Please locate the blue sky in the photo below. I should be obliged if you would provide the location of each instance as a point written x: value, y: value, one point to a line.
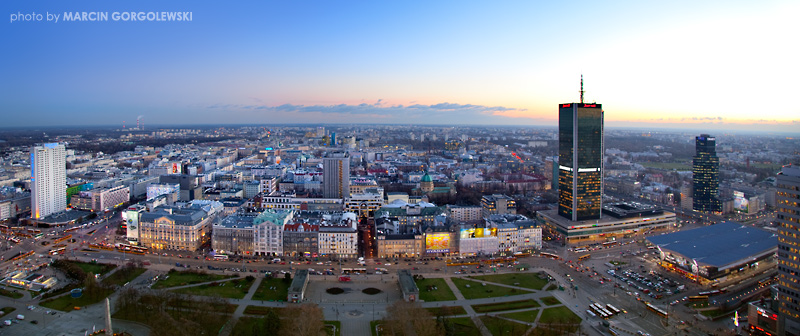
x: 718, y: 65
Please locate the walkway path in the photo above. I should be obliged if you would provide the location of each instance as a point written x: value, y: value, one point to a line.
x: 467, y: 307
x: 240, y: 308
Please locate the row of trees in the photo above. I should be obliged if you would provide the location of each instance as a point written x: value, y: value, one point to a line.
x: 168, y: 313
x: 295, y: 320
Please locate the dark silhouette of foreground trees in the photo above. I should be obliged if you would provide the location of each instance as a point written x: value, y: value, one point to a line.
x: 408, y: 318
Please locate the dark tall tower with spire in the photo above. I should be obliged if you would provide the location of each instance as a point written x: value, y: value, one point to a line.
x: 580, y: 159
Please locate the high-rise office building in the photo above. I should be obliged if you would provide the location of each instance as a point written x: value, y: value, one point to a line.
x: 580, y: 160
x: 336, y: 175
x: 705, y: 175
x: 787, y: 202
x: 48, y: 180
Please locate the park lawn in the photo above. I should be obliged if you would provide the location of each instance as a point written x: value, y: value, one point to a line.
x: 6, y: 310
x: 441, y: 293
x: 181, y: 278
x: 123, y: 276
x: 331, y: 331
x: 465, y: 327
x: 477, y: 290
x: 561, y: 315
x: 502, y: 306
x: 550, y: 301
x: 94, y: 268
x: 260, y: 310
x: 232, y: 289
x: 447, y: 311
x: 14, y: 294
x: 498, y: 326
x: 68, y: 303
x: 373, y: 325
x: 526, y: 280
x: 714, y: 313
x: 551, y: 287
x: 205, y: 324
x: 244, y: 326
x: 527, y: 316
x: 279, y: 291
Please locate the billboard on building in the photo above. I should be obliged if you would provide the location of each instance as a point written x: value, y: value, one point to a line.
x: 740, y: 202
x: 131, y: 217
x: 438, y: 242
x: 478, y: 233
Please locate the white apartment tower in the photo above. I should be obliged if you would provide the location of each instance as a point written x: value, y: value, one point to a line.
x: 48, y: 180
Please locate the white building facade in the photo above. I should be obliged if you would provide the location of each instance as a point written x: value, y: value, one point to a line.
x: 48, y: 180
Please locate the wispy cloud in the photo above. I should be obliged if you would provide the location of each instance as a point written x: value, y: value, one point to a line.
x: 441, y: 112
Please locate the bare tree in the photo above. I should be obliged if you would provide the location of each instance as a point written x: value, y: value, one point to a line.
x: 408, y: 318
x: 303, y: 320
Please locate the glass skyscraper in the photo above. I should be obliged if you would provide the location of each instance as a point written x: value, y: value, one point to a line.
x: 787, y: 199
x: 705, y: 175
x: 580, y: 160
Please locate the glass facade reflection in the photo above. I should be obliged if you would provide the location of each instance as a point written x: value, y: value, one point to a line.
x: 705, y: 175
x: 580, y: 151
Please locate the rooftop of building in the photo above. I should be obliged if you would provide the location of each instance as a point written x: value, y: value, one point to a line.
x: 299, y: 281
x: 64, y: 216
x: 238, y: 221
x: 791, y: 170
x: 407, y: 284
x: 630, y: 209
x: 180, y: 215
x: 495, y: 197
x: 720, y: 245
x: 277, y: 217
x: 553, y: 216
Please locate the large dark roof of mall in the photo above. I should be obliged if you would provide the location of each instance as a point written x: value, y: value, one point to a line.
x: 718, y: 245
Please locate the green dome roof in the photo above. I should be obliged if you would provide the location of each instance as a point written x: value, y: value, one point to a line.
x: 426, y: 178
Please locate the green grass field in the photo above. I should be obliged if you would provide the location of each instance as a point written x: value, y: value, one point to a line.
x: 207, y: 325
x: 500, y: 327
x: 441, y: 293
x: 502, y: 306
x: 94, y: 268
x: 477, y: 290
x: 527, y: 280
x: 181, y: 278
x: 373, y: 325
x: 259, y: 310
x: 13, y: 293
x: 123, y: 276
x: 465, y: 327
x: 527, y: 316
x: 244, y: 326
x: 67, y: 303
x: 272, y: 289
x: 447, y: 311
x: 559, y: 315
x: 337, y: 327
x: 6, y: 310
x: 232, y: 289
x: 550, y: 301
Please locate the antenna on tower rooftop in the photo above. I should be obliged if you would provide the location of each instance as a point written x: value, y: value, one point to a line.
x: 582, y: 89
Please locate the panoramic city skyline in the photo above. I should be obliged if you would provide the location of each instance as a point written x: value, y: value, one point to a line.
x: 711, y: 66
